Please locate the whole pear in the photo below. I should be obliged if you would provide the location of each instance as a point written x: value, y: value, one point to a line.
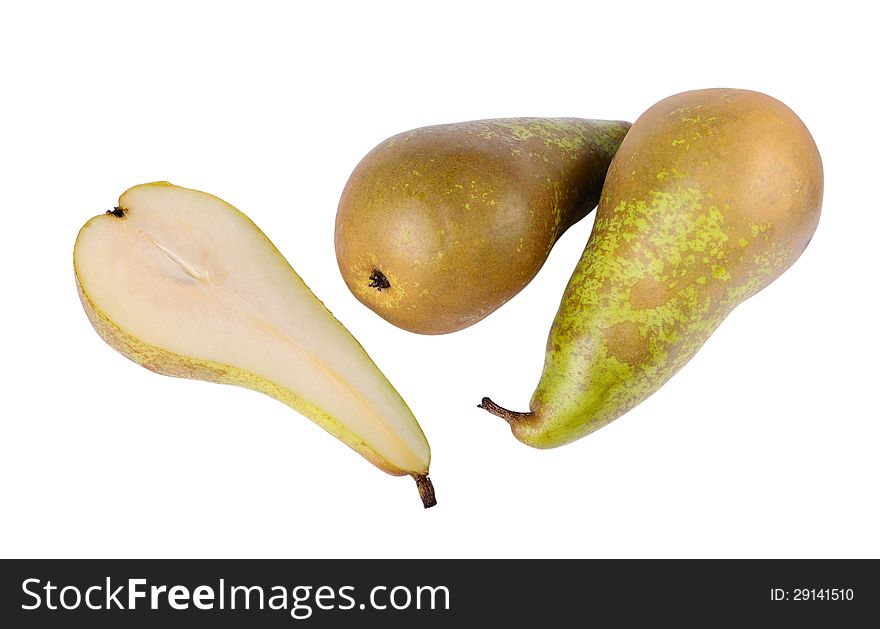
x: 439, y: 226
x: 712, y: 195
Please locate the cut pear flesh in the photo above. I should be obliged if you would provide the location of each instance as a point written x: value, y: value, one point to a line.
x: 184, y: 284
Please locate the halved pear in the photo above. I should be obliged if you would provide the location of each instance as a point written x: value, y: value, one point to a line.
x: 184, y: 284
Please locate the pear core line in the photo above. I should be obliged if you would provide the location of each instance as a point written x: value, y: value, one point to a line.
x: 503, y: 413
x: 426, y: 490
x: 188, y: 268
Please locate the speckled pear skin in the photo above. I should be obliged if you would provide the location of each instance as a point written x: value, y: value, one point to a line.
x: 712, y: 195
x: 437, y: 227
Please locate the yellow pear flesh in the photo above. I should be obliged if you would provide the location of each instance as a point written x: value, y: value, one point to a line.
x: 184, y: 284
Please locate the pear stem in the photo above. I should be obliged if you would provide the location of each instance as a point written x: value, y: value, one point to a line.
x: 426, y: 490
x: 503, y: 413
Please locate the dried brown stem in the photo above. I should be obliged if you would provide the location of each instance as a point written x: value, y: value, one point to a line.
x: 426, y: 490
x: 503, y: 413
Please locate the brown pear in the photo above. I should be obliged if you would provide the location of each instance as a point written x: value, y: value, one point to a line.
x: 439, y: 226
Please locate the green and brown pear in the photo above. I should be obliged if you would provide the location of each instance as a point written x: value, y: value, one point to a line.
x: 439, y: 226
x: 712, y: 196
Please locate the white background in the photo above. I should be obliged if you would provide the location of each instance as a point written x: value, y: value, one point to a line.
x: 766, y: 445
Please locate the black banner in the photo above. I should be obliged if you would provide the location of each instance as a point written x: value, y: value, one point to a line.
x: 434, y: 593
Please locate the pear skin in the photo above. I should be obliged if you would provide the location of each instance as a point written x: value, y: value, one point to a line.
x: 185, y: 285
x: 439, y: 226
x: 712, y: 195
